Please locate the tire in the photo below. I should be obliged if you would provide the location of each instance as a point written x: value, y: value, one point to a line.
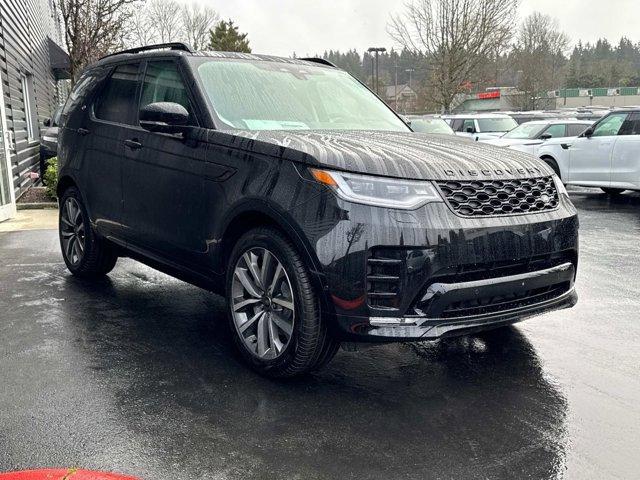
x: 85, y: 254
x: 553, y: 164
x: 287, y: 299
x: 613, y: 191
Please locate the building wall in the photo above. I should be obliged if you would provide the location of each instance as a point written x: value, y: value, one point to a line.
x: 24, y: 28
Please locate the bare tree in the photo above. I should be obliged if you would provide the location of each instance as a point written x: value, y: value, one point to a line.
x: 537, y: 57
x: 457, y: 37
x: 92, y: 29
x: 164, y: 18
x: 161, y: 21
x: 139, y: 30
x: 197, y: 21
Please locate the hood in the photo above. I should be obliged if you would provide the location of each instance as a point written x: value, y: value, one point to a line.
x: 394, y: 154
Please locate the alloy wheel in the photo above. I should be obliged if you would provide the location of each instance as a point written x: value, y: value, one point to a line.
x: 262, y: 303
x: 72, y: 231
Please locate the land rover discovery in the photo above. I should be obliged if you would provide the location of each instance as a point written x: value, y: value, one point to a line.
x: 291, y: 189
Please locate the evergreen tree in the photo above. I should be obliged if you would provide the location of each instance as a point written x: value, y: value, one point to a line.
x: 225, y: 37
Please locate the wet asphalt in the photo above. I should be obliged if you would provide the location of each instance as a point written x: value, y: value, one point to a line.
x: 136, y: 374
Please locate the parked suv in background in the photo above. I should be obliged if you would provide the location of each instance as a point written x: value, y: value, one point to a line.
x: 481, y: 126
x: 530, y: 137
x: 606, y: 155
x: 288, y: 187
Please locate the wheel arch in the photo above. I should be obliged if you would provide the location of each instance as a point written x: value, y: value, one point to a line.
x: 251, y: 216
x: 551, y: 161
x: 65, y: 182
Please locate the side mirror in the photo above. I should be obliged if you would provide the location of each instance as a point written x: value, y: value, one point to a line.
x: 546, y: 136
x: 587, y: 133
x: 164, y: 117
x: 47, y: 122
x: 470, y: 130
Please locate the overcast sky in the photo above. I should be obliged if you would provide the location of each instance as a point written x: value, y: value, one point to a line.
x: 281, y: 27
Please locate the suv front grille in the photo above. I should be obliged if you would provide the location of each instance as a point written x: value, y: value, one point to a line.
x: 475, y: 198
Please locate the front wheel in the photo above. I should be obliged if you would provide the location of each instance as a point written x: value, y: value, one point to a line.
x: 612, y: 191
x: 85, y: 254
x: 274, y: 311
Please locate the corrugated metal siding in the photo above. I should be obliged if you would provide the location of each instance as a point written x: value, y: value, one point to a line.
x: 24, y: 28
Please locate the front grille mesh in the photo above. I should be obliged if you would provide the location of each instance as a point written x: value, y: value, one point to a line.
x: 475, y: 198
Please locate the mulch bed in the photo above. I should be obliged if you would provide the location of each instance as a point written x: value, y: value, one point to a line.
x: 35, y: 195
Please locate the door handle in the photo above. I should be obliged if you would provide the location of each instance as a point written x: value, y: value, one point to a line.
x: 133, y: 144
x: 83, y: 131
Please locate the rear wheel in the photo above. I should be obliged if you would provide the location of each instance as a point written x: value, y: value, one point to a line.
x: 85, y: 254
x: 612, y: 191
x: 274, y: 311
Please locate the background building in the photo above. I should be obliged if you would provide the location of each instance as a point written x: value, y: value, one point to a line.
x: 508, y: 99
x: 402, y: 98
x: 32, y: 64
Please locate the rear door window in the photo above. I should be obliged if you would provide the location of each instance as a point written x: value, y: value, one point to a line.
x: 573, y: 130
x: 117, y: 100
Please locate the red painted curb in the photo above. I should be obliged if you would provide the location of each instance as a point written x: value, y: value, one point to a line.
x: 63, y: 474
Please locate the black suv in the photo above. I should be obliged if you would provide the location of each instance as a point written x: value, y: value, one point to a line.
x: 291, y: 189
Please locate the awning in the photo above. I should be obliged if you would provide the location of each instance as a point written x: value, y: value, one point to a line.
x: 59, y: 59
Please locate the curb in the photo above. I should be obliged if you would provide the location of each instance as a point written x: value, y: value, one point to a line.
x: 36, y: 206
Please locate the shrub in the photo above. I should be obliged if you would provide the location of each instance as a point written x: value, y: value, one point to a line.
x: 50, y: 179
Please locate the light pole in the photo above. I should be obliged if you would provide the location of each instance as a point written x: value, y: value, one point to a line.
x: 395, y: 88
x: 409, y: 71
x: 376, y: 50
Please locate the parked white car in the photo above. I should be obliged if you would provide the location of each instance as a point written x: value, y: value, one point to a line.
x: 530, y: 136
x: 481, y: 126
x: 606, y: 155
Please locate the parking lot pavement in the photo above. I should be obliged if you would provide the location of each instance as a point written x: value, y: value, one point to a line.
x: 136, y: 374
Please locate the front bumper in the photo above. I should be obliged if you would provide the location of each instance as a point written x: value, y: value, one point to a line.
x: 555, y: 285
x: 530, y: 260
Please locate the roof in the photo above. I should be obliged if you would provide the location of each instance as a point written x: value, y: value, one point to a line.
x: 477, y: 115
x: 163, y: 51
x: 556, y: 121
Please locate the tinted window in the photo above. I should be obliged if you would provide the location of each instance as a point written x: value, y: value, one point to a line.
x: 525, y: 131
x: 556, y: 131
x: 631, y: 125
x: 457, y: 124
x: 78, y: 93
x: 573, y: 130
x: 610, y: 125
x: 496, y: 124
x: 163, y: 83
x: 117, y: 99
x: 469, y: 125
x: 431, y: 125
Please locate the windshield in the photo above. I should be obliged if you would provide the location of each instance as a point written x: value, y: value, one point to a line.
x: 263, y: 95
x: 525, y: 131
x: 431, y: 125
x: 496, y: 124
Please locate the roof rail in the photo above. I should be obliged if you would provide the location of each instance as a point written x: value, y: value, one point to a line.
x: 321, y: 61
x: 159, y: 46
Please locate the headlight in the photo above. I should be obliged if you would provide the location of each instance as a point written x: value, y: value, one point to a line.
x: 562, y: 190
x: 379, y: 191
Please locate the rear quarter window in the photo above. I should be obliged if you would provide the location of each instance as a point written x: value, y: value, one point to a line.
x: 81, y: 90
